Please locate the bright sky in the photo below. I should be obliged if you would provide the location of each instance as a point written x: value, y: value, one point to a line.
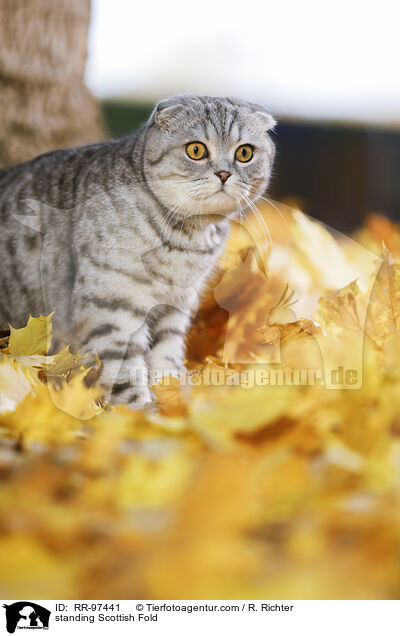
x: 302, y: 58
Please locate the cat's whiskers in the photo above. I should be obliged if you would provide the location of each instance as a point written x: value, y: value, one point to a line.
x: 244, y: 215
x: 259, y: 216
x: 275, y: 208
x: 260, y: 196
x: 167, y: 228
x: 195, y: 217
x: 185, y: 217
x: 256, y: 231
x: 173, y: 212
x: 249, y: 204
x: 242, y: 196
x: 241, y: 215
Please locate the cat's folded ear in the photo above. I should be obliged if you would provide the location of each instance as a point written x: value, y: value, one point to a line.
x: 262, y: 115
x: 167, y: 113
x: 266, y: 119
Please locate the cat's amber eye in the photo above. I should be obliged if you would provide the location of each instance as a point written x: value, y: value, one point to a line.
x: 244, y: 153
x: 196, y: 150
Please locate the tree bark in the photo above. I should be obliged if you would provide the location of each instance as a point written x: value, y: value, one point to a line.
x: 44, y: 103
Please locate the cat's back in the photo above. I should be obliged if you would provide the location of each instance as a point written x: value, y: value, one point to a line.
x: 37, y: 203
x: 62, y: 177
x: 22, y: 187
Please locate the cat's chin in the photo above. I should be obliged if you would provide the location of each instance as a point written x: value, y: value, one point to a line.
x: 221, y: 204
x: 201, y: 221
x: 207, y: 219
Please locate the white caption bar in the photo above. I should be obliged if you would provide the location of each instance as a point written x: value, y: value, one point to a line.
x: 182, y: 617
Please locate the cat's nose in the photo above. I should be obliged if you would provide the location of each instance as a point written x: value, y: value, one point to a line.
x: 223, y: 175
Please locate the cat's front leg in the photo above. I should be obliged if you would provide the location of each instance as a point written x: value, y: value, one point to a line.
x: 167, y: 345
x: 124, y: 370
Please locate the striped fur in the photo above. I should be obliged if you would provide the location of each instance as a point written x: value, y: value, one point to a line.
x: 119, y: 238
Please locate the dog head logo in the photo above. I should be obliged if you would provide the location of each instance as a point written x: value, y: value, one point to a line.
x: 26, y: 615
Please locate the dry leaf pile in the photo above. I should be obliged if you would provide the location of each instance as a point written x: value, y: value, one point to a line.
x: 282, y: 489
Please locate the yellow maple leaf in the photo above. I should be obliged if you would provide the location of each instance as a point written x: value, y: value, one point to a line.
x: 62, y: 362
x: 301, y: 328
x: 324, y: 256
x: 374, y: 314
x: 52, y: 416
x: 76, y: 399
x: 34, y: 338
x: 344, y: 309
x: 383, y: 313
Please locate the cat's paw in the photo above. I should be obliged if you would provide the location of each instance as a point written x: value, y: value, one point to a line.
x: 134, y: 397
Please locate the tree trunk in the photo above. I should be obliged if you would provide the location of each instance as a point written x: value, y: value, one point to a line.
x: 44, y: 103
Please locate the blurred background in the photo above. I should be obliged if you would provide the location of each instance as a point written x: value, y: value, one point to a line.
x: 327, y: 71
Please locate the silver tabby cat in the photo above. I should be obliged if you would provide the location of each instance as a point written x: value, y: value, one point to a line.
x: 119, y: 238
